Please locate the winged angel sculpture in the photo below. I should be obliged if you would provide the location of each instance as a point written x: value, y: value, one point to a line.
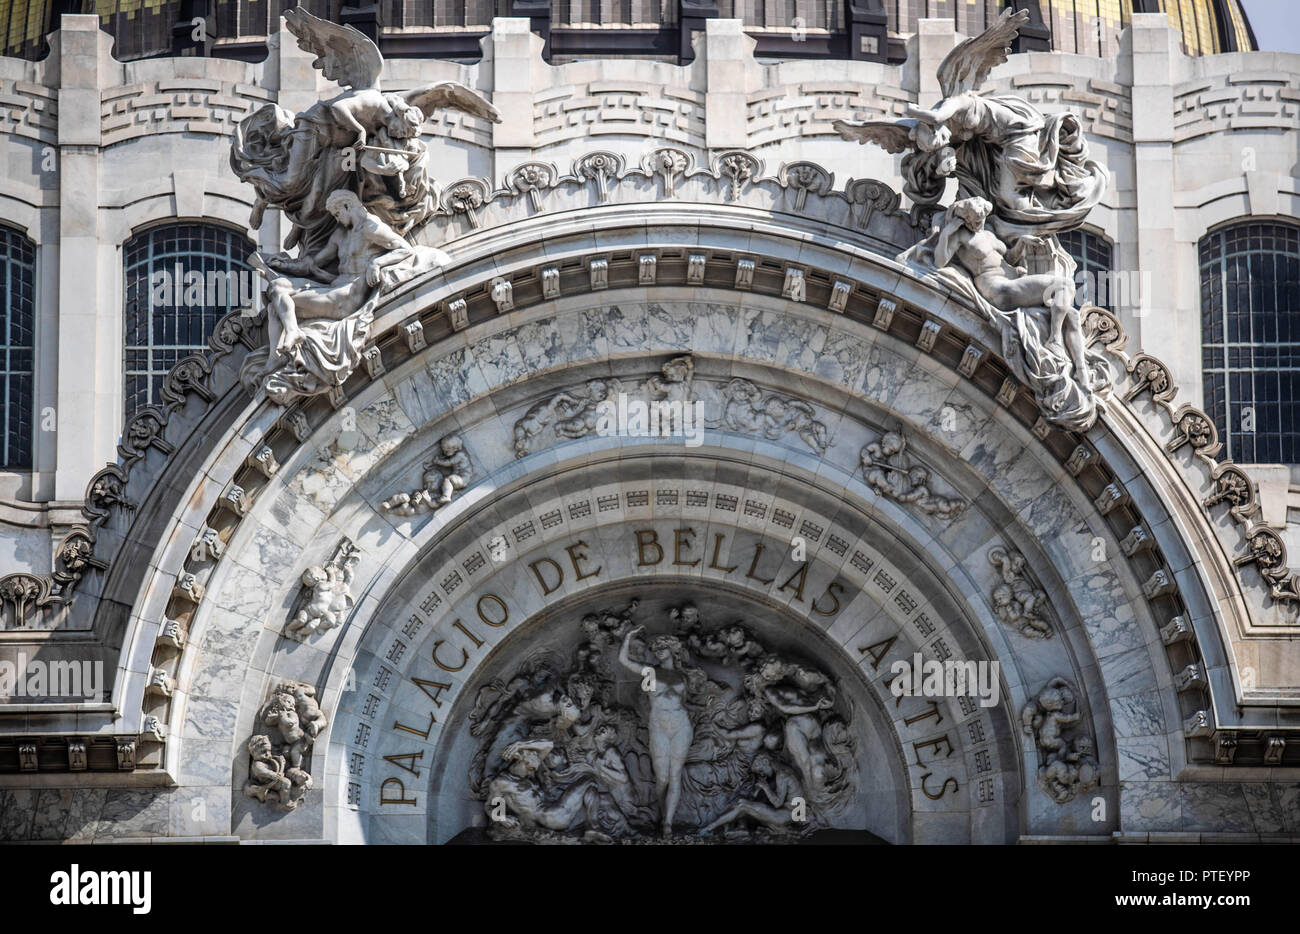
x: 1022, y: 177
x: 350, y: 174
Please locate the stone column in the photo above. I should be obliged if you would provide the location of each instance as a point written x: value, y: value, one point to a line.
x: 89, y: 408
x: 935, y: 38
x: 1175, y: 317
x: 513, y: 65
x: 731, y: 73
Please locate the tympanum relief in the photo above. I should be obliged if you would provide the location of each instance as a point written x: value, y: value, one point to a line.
x: 661, y: 729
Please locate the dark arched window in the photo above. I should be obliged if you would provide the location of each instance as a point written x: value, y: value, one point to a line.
x: 1094, y: 261
x: 180, y: 280
x: 17, y: 346
x: 1250, y: 334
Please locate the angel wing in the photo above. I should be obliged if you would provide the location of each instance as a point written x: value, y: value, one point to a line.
x: 445, y: 94
x: 890, y: 135
x: 342, y: 53
x: 966, y: 66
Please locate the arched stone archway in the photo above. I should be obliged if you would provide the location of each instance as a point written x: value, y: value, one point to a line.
x: 858, y: 381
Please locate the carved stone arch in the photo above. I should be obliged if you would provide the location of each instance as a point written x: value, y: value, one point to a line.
x: 1118, y: 451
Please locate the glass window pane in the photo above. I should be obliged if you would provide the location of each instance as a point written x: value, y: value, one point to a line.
x: 176, y: 292
x: 1250, y: 323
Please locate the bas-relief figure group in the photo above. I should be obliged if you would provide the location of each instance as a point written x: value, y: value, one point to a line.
x: 1067, y: 758
x: 691, y: 732
x: 728, y: 735
x: 277, y: 758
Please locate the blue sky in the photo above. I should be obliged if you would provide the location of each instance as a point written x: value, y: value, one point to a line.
x: 1276, y: 24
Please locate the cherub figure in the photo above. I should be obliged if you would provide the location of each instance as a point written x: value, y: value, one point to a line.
x: 1016, y: 601
x: 281, y: 712
x: 674, y: 380
x: 573, y: 414
x: 1048, y: 716
x: 781, y: 415
x: 266, y: 774
x: 447, y: 473
x: 739, y: 647
x: 310, y: 716
x: 329, y: 598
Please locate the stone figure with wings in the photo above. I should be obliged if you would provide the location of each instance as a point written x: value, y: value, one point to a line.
x: 364, y: 140
x: 1022, y: 178
x: 1033, y: 168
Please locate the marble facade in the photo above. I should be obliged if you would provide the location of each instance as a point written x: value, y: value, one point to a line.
x: 728, y: 225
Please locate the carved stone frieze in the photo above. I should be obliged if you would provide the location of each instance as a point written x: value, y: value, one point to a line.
x: 575, y: 412
x: 771, y: 415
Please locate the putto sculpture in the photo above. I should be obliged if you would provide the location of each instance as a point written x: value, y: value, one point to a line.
x: 1067, y: 759
x: 292, y: 719
x: 1023, y: 177
x: 892, y: 472
x: 326, y: 594
x: 672, y: 736
x: 350, y: 174
x: 446, y: 474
